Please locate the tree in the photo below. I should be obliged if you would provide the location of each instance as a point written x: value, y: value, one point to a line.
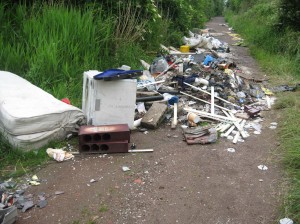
x: 290, y: 13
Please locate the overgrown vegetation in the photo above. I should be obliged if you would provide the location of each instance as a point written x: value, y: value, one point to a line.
x: 51, y: 43
x: 277, y: 47
x: 271, y: 28
x: 15, y: 162
x: 290, y: 142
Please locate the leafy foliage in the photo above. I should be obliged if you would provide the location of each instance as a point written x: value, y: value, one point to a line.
x: 50, y: 43
x: 288, y: 10
x: 260, y: 24
x: 290, y: 13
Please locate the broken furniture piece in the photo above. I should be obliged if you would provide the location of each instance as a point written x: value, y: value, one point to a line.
x: 252, y: 112
x: 200, y: 135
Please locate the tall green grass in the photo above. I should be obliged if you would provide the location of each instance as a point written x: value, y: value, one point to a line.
x: 15, y: 162
x: 278, y: 50
x: 51, y: 46
x: 289, y: 135
x: 278, y: 53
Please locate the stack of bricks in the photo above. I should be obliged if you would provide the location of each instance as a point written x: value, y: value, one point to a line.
x: 104, y: 139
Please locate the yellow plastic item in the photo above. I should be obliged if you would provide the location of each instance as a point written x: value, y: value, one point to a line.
x: 267, y: 91
x: 34, y: 183
x: 184, y: 48
x: 229, y: 72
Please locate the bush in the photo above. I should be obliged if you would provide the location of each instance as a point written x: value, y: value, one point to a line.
x: 290, y: 14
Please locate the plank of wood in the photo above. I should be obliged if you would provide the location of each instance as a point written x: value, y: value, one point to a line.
x: 204, y: 101
x: 236, y: 137
x: 209, y: 94
x: 240, y: 128
x: 225, y: 127
x: 212, y: 100
x: 229, y: 131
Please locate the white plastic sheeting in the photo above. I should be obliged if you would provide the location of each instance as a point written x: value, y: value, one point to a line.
x: 202, y: 41
x: 31, y: 117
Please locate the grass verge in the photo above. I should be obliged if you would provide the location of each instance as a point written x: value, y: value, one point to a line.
x: 275, y: 56
x: 289, y: 135
x: 15, y: 162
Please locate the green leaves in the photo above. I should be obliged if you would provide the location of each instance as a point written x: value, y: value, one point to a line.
x: 290, y: 13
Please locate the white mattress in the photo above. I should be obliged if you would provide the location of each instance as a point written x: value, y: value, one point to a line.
x: 34, y: 141
x: 28, y: 110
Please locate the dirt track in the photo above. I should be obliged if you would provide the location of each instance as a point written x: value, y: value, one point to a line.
x: 176, y: 184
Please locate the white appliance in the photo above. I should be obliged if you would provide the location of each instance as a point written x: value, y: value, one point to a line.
x: 108, y: 102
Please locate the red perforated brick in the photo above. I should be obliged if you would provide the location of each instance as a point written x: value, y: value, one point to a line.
x: 104, y: 133
x: 104, y: 139
x: 104, y: 147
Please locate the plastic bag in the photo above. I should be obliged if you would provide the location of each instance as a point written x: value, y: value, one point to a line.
x: 59, y: 154
x: 158, y: 65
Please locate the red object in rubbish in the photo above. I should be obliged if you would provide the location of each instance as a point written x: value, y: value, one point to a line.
x: 66, y: 100
x: 172, y: 62
x: 138, y: 181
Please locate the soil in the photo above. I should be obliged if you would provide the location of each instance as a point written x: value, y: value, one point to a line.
x: 177, y: 183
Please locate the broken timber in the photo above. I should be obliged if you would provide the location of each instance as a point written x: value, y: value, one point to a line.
x: 154, y: 115
x: 210, y: 94
x: 212, y: 116
x: 223, y: 108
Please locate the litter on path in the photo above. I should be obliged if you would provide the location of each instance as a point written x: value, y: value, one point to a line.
x: 262, y: 167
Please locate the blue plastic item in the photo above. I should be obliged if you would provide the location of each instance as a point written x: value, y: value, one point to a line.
x: 172, y: 100
x: 208, y: 59
x: 114, y: 74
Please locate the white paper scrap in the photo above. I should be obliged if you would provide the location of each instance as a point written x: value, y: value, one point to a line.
x: 262, y: 167
x: 231, y: 150
x: 125, y: 168
x: 286, y: 221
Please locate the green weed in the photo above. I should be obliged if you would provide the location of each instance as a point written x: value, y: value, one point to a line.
x: 103, y: 208
x: 285, y: 101
x: 85, y: 212
x: 91, y: 222
x: 76, y: 222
